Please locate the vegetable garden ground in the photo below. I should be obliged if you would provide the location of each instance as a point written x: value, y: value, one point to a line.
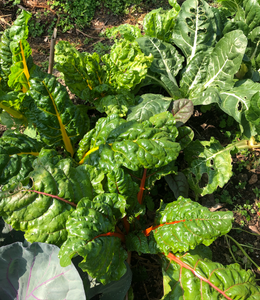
x: 241, y: 194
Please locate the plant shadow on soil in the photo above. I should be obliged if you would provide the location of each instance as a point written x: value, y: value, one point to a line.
x: 240, y: 195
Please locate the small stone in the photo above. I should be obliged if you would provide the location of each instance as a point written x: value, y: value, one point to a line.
x: 253, y: 179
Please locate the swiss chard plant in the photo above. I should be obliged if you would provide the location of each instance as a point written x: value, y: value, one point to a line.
x: 81, y: 186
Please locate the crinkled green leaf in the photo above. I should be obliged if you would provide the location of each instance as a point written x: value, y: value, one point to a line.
x: 182, y: 110
x: 115, y: 104
x: 57, y: 119
x: 126, y: 31
x: 19, y: 30
x: 17, y: 154
x: 217, y: 67
x: 167, y: 61
x: 185, y: 136
x: 252, y: 114
x: 195, y: 28
x: 190, y: 275
x: 154, y: 174
x: 126, y: 65
x: 209, y: 166
x: 148, y: 106
x: 118, y: 181
x: 82, y: 71
x: 29, y: 206
x: 178, y: 184
x: 184, y: 224
x: 20, y: 75
x: 137, y: 241
x: 159, y: 23
x: 131, y: 144
x: 5, y: 54
x: 86, y: 223
x: 98, y: 136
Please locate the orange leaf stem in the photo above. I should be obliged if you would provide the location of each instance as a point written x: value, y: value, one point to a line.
x: 148, y: 230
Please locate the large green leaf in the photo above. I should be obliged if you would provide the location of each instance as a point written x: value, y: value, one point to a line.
x: 17, y: 154
x: 167, y: 61
x: 36, y: 204
x: 131, y: 144
x: 148, y: 106
x: 191, y: 276
x: 126, y: 65
x: 118, y: 181
x: 5, y: 54
x: 88, y: 236
x: 217, y: 67
x: 183, y: 224
x: 252, y: 114
x: 209, y: 166
x: 34, y: 272
x: 159, y: 23
x: 115, y: 104
x: 195, y: 28
x: 57, y: 119
x: 82, y: 71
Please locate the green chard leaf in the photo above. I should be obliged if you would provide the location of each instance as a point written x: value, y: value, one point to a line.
x: 18, y: 151
x: 159, y: 23
x: 82, y: 71
x: 58, y: 120
x: 91, y: 233
x: 209, y: 166
x: 126, y: 65
x: 217, y: 67
x: 115, y: 142
x: 167, y: 61
x: 115, y: 104
x: 195, y: 28
x: 41, y: 203
x: 189, y: 276
x: 5, y: 54
x: 148, y: 106
x: 183, y: 224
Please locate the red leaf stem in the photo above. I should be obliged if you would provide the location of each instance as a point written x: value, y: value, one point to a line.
x: 148, y: 230
x: 53, y: 196
x: 183, y: 265
x: 141, y: 191
x: 119, y: 235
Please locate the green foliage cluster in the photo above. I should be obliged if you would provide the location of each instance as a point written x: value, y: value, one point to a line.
x: 82, y: 187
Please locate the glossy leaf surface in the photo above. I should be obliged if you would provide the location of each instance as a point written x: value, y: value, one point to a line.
x: 209, y: 166
x: 37, y: 208
x: 159, y: 23
x: 58, y: 120
x: 184, y: 224
x: 195, y: 28
x: 88, y: 228
x: 189, y: 276
x: 133, y: 145
x: 148, y: 106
